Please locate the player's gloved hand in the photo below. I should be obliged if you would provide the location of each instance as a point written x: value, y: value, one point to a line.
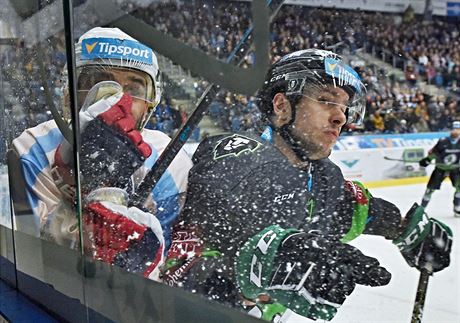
x: 426, y: 243
x: 122, y: 236
x: 282, y: 269
x: 424, y: 162
x: 111, y: 148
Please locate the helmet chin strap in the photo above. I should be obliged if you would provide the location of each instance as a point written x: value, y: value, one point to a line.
x: 286, y: 133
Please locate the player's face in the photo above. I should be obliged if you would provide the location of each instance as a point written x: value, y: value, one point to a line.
x: 319, y: 119
x: 455, y: 133
x: 133, y: 82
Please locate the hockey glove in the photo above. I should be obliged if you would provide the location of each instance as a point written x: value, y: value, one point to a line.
x: 424, y: 162
x: 111, y: 149
x: 282, y: 269
x: 126, y: 237
x: 426, y: 243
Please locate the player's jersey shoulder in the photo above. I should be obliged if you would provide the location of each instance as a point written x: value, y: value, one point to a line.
x: 328, y: 164
x: 329, y: 172
x: 156, y: 138
x: 38, y: 145
x: 236, y: 154
x: 46, y: 136
x: 175, y: 178
x: 446, y: 146
x: 235, y: 148
x: 445, y: 140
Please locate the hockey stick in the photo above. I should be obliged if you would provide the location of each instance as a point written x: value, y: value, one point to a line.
x: 161, y: 165
x: 419, y: 304
x: 400, y: 159
x: 416, y: 161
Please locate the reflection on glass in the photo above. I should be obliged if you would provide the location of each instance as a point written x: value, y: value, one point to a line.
x: 267, y: 217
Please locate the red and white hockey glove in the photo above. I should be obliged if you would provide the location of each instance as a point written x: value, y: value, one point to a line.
x: 126, y: 237
x: 111, y: 148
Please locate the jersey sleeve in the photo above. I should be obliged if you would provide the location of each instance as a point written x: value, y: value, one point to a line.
x: 169, y: 192
x: 35, y: 147
x: 360, y: 198
x: 371, y: 215
x: 435, y: 151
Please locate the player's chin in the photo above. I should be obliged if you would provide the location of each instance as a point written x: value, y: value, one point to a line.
x: 325, y: 153
x: 328, y: 143
x: 322, y: 152
x: 327, y: 146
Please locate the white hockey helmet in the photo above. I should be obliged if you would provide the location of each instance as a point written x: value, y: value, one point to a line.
x: 112, y: 47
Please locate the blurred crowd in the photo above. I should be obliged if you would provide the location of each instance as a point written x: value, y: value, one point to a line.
x: 431, y: 49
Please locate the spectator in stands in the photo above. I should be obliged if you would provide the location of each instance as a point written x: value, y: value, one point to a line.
x: 411, y: 75
x: 378, y: 121
x: 176, y: 118
x: 183, y: 113
x: 421, y: 111
x: 444, y: 121
x: 391, y: 123
x: 433, y: 45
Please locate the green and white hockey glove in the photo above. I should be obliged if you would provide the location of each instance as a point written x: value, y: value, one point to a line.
x: 285, y: 269
x: 426, y: 243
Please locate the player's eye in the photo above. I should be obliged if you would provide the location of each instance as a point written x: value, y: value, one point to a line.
x: 136, y: 90
x: 331, y: 104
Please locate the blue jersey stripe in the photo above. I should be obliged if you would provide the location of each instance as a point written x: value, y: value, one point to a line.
x: 152, y: 158
x: 38, y: 151
x: 166, y: 187
x: 30, y: 172
x: 166, y: 196
x: 168, y: 211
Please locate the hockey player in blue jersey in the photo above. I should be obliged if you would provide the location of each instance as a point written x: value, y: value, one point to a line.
x: 118, y: 89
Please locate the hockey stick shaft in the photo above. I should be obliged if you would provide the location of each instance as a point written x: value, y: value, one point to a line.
x: 162, y: 163
x: 416, y: 161
x: 400, y: 159
x: 419, y: 304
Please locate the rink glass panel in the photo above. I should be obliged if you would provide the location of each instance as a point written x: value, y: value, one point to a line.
x: 7, y: 261
x: 31, y: 73
x: 56, y: 275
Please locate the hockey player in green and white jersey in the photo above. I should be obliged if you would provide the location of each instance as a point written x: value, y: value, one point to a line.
x: 268, y: 217
x: 446, y: 154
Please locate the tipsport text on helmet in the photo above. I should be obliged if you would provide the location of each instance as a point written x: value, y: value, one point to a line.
x: 113, y: 48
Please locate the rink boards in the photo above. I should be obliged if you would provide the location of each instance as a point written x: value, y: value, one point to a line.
x: 385, y: 160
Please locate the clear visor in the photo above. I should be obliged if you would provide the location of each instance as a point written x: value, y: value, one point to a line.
x: 325, y: 89
x: 136, y: 83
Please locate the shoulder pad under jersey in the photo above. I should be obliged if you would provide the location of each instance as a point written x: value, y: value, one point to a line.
x: 237, y: 154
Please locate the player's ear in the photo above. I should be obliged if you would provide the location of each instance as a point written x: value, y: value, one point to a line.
x: 281, y: 110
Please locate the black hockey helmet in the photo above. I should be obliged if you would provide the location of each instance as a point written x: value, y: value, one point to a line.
x: 310, y: 70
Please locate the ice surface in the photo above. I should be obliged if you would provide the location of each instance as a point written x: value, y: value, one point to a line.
x: 394, y: 302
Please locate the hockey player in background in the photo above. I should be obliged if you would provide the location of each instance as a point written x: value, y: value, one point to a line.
x: 268, y: 218
x: 118, y: 88
x: 446, y: 154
